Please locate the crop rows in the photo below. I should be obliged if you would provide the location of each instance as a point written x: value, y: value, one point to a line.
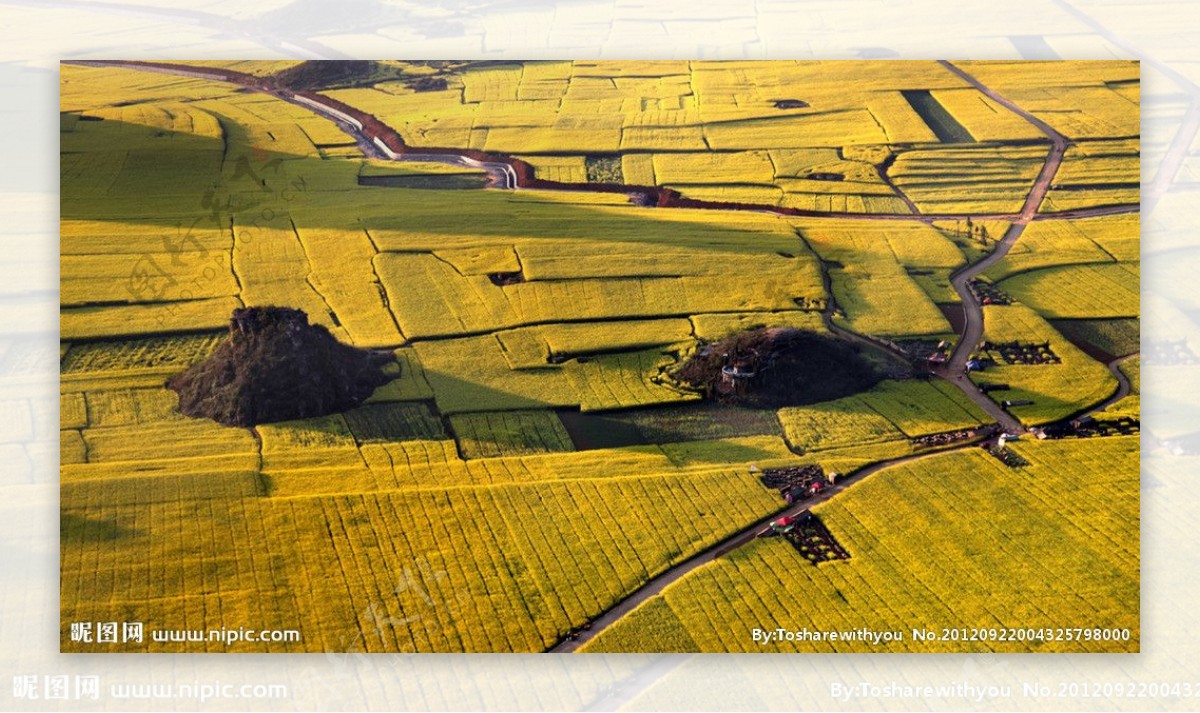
x: 1057, y: 390
x: 450, y: 512
x: 488, y: 435
x: 149, y: 352
x: 952, y: 542
x: 968, y: 179
x: 1080, y: 291
x: 435, y: 567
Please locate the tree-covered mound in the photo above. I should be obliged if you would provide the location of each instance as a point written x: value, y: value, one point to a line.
x: 771, y: 368
x: 319, y: 74
x: 275, y: 366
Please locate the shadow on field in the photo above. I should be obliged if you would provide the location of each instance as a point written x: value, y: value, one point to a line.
x: 76, y: 528
x: 127, y: 173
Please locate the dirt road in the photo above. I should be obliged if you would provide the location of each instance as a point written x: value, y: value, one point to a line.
x: 954, y: 372
x: 503, y: 175
x: 1124, y: 388
x: 955, y: 369
x: 734, y: 541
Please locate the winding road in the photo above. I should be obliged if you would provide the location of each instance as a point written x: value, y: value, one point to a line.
x: 954, y: 370
x: 500, y: 174
x: 656, y: 584
x: 503, y: 175
x: 1124, y: 388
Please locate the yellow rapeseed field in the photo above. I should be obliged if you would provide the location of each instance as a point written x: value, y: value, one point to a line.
x: 958, y: 543
x: 466, y: 506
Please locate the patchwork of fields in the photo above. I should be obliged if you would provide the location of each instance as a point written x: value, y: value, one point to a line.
x: 532, y: 463
x: 959, y: 541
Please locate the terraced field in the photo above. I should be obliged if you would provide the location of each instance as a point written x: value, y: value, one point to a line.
x: 532, y: 463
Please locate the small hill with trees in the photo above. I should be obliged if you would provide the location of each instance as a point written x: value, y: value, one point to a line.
x: 319, y: 74
x: 275, y: 366
x: 773, y: 367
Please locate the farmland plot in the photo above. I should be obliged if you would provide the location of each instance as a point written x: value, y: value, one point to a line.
x: 1056, y: 390
x: 1097, y: 173
x: 487, y: 435
x: 893, y: 410
x: 531, y: 462
x: 1071, y: 242
x: 1111, y: 337
x: 1062, y: 531
x: 1079, y: 291
x: 448, y: 550
x: 860, y: 261
x: 962, y: 179
x: 1078, y: 98
x: 983, y: 118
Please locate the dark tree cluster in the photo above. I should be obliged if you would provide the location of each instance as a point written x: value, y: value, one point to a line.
x: 275, y: 366
x: 772, y: 367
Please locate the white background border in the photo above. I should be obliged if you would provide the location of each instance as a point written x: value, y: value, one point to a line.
x: 35, y: 35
